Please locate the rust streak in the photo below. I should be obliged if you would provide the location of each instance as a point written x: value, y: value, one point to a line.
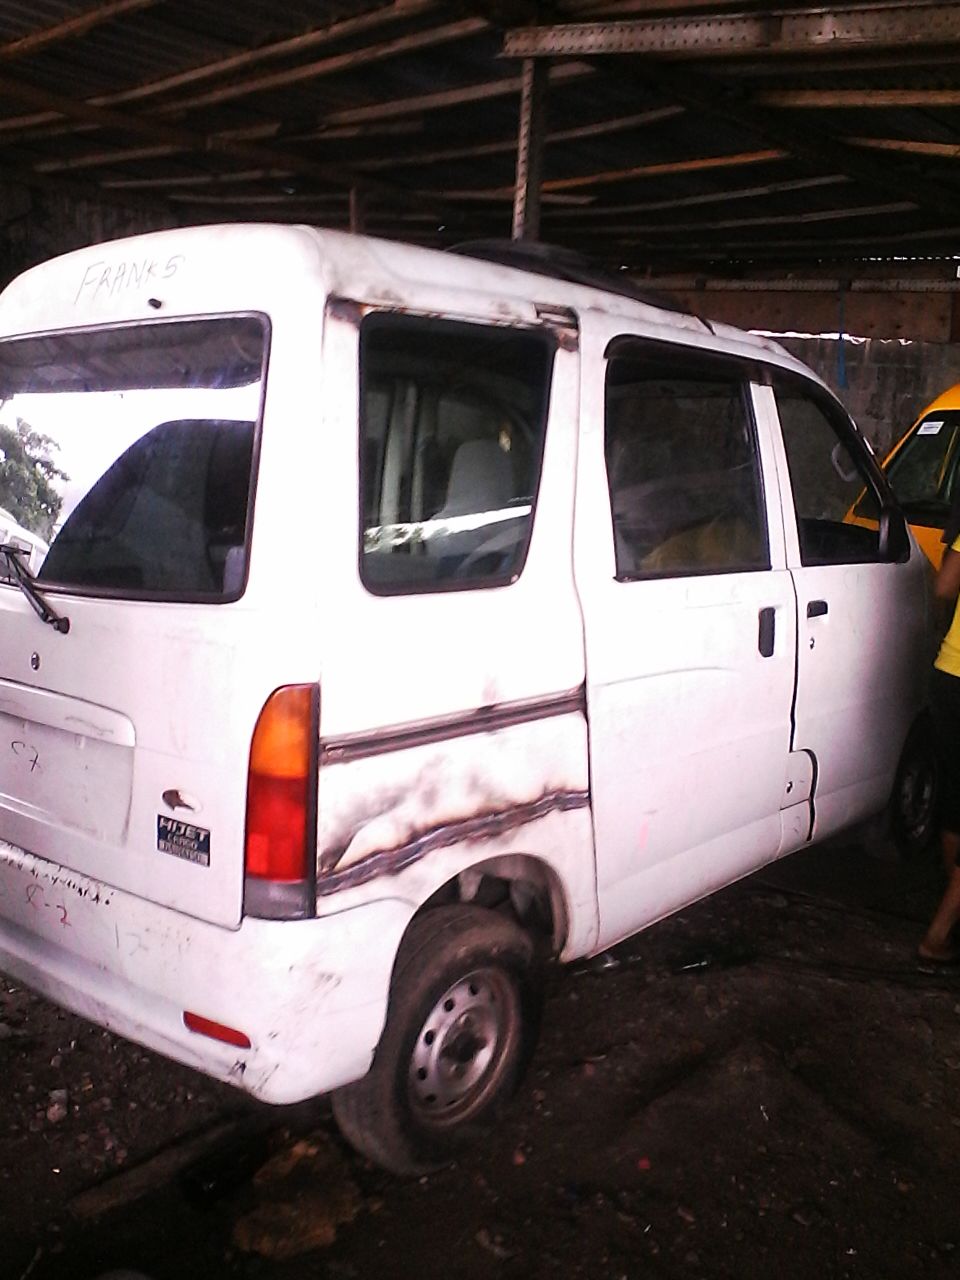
x: 481, y: 826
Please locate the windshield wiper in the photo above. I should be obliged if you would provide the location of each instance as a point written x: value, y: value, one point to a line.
x: 28, y: 585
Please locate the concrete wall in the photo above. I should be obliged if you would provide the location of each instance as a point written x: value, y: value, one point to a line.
x: 38, y: 224
x: 913, y: 306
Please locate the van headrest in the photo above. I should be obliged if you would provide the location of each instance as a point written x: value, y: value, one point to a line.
x: 481, y: 479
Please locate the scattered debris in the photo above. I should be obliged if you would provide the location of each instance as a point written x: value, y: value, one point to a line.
x: 156, y: 1172
x: 306, y: 1193
x: 57, y: 1109
x: 494, y: 1244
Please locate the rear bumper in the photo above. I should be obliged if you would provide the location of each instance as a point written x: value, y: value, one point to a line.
x: 311, y: 995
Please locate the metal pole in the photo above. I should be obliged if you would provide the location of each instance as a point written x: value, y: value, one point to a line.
x: 358, y: 209
x: 530, y: 141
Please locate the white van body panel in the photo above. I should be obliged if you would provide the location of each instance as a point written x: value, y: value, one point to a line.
x: 313, y: 1007
x: 498, y: 731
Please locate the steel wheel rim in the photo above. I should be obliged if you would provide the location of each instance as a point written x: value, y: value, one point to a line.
x: 463, y: 1047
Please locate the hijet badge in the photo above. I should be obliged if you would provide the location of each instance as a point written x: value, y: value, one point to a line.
x: 183, y: 840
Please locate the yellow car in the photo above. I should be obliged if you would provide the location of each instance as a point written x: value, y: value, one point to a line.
x: 922, y: 470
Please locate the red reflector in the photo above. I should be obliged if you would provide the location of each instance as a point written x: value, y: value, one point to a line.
x: 215, y: 1030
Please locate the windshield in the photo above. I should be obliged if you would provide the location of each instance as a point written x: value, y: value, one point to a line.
x: 126, y: 455
x: 922, y: 474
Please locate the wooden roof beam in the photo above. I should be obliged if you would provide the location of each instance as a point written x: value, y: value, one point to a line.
x: 160, y: 133
x: 943, y: 150
x: 506, y: 146
x: 557, y: 186
x: 708, y: 93
x: 712, y: 197
x: 633, y: 232
x: 78, y: 25
x: 362, y: 57
x: 329, y: 34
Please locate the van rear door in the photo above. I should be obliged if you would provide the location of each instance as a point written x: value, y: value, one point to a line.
x: 123, y: 744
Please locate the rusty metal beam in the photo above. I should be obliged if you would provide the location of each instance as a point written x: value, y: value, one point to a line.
x: 815, y: 284
x: 530, y: 144
x: 837, y: 28
x: 859, y: 99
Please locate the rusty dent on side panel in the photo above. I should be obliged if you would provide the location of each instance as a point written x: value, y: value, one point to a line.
x: 479, y: 826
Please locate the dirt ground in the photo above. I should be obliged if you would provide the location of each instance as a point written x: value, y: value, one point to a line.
x: 764, y: 1085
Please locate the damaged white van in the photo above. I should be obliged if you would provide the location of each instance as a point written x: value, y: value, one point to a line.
x: 410, y: 620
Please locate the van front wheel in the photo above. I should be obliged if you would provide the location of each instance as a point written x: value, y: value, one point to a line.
x: 913, y: 810
x: 460, y: 1028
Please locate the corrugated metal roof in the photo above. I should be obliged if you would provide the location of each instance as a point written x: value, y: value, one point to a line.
x: 701, y: 137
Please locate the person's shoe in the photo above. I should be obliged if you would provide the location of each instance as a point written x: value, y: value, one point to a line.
x: 936, y: 959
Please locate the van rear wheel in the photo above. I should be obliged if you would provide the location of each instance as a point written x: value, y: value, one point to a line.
x: 461, y: 1024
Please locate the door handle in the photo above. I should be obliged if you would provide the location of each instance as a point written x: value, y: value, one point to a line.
x: 766, y: 633
x: 816, y: 608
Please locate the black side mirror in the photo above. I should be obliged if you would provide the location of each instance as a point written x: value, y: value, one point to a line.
x: 894, y: 538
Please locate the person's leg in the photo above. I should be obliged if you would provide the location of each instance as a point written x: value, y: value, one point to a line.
x: 949, y: 850
x: 936, y: 941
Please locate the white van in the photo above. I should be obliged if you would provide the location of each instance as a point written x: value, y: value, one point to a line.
x: 414, y: 620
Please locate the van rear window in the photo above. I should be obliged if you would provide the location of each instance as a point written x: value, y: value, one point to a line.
x: 126, y: 455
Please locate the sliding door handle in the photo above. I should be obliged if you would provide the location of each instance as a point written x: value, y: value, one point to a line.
x: 816, y: 608
x: 767, y: 632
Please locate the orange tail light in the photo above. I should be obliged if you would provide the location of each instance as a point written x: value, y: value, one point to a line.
x: 280, y: 846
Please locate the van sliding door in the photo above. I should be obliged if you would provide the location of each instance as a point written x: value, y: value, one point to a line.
x: 690, y: 630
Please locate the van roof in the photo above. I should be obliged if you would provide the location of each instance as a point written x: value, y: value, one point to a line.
x: 103, y: 276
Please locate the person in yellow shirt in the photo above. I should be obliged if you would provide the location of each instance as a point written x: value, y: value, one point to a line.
x: 937, y: 946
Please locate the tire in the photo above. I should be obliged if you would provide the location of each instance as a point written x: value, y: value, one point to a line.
x: 461, y: 1025
x: 913, y: 804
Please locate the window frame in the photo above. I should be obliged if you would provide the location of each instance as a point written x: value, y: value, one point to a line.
x: 66, y: 589
x: 676, y: 359
x: 465, y: 325
x: 849, y: 435
x: 950, y: 472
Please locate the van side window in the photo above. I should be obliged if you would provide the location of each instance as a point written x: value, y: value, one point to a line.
x: 452, y: 422
x: 682, y: 467
x: 835, y: 492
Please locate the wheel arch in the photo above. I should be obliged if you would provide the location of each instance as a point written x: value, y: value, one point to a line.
x: 522, y: 885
